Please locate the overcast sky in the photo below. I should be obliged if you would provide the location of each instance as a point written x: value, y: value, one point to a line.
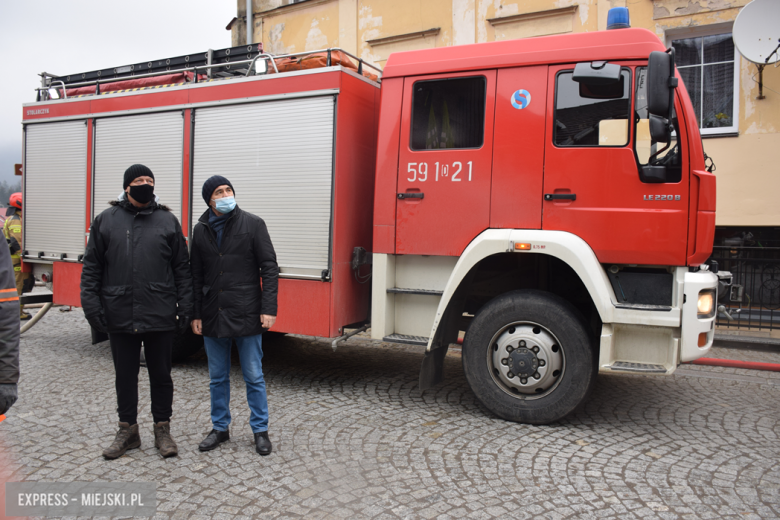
x: 69, y: 36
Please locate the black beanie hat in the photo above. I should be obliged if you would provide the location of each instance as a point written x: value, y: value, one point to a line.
x: 135, y: 171
x: 211, y: 184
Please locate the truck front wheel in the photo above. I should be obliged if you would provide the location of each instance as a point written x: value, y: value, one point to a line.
x: 528, y: 358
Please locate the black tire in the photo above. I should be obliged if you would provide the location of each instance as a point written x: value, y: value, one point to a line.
x: 185, y: 345
x: 502, y: 339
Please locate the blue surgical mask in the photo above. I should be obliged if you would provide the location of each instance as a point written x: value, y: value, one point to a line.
x: 225, y: 204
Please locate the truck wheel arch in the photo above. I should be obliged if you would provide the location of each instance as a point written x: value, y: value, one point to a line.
x: 566, y: 247
x: 569, y: 248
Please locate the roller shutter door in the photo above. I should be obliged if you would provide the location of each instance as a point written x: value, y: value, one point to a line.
x: 55, y: 186
x: 155, y: 140
x: 279, y: 157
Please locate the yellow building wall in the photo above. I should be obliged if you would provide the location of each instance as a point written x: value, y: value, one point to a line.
x: 748, y: 176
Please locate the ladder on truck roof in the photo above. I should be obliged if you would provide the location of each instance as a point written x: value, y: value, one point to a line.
x: 213, y: 64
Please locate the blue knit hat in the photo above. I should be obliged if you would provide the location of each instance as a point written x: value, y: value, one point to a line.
x: 212, y: 184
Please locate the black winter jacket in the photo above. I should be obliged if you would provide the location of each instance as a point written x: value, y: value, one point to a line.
x: 9, y: 320
x: 136, y: 270
x: 226, y: 282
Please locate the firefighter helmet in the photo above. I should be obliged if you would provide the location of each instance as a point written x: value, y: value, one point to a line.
x: 15, y: 200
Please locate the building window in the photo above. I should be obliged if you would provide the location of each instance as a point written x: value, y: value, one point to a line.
x: 448, y: 114
x: 591, y: 115
x: 708, y: 67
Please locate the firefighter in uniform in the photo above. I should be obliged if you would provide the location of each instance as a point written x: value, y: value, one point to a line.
x: 12, y: 230
x: 9, y: 335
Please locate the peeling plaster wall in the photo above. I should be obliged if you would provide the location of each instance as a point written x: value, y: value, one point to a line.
x: 583, y: 19
x: 748, y: 177
x: 304, y: 28
x: 238, y: 31
x: 348, y: 25
x: 463, y: 22
x: 385, y: 18
x: 665, y: 8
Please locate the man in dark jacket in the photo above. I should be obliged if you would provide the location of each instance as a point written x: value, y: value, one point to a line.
x: 136, y: 285
x: 231, y: 252
x: 9, y: 332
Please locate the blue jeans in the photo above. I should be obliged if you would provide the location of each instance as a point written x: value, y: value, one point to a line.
x: 250, y: 352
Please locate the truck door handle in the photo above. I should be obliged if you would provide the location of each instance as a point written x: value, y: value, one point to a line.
x: 560, y: 196
x: 411, y: 195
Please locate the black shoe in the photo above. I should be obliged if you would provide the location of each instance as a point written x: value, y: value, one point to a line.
x: 263, y: 443
x: 213, y: 439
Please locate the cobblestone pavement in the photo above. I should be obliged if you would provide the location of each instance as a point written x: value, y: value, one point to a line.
x: 353, y: 438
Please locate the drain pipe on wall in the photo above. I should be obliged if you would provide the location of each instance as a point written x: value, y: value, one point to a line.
x: 249, y: 22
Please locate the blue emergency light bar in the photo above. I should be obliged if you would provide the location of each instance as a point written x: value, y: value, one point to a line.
x: 617, y: 18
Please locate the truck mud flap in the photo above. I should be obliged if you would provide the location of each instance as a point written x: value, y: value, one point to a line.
x: 432, y: 369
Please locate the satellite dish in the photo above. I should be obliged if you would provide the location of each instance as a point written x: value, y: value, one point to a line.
x: 756, y: 31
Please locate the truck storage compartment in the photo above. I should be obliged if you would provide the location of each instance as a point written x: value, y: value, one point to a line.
x: 55, y: 185
x: 155, y: 140
x: 279, y: 157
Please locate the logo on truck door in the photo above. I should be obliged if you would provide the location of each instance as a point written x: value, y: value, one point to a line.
x: 521, y: 99
x: 661, y: 197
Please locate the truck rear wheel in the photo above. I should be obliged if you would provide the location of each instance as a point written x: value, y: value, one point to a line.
x: 528, y: 358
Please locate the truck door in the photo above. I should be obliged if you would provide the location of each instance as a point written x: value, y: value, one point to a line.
x: 443, y: 195
x: 596, y: 139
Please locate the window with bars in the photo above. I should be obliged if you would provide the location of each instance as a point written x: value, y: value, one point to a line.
x: 707, y: 65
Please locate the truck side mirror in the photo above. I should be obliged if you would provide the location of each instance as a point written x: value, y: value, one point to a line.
x: 660, y: 131
x: 660, y: 93
x: 653, y: 174
x: 597, y: 73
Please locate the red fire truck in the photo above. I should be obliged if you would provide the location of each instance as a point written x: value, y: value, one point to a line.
x: 547, y: 197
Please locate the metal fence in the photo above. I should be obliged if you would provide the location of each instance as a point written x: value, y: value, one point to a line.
x: 757, y: 269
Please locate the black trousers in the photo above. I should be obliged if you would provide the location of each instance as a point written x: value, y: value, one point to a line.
x: 126, y: 350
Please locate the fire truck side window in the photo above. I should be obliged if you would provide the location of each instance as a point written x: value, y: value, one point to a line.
x: 448, y: 114
x: 591, y: 115
x: 646, y: 150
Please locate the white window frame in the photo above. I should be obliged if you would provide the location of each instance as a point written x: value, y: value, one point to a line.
x: 712, y: 30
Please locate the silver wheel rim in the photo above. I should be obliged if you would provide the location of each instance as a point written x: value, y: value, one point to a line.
x: 526, y: 360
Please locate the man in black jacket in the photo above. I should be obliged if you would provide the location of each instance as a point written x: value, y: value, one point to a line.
x: 9, y: 332
x: 136, y: 285
x: 231, y: 252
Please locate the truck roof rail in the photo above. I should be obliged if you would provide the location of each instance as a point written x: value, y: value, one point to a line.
x: 214, y: 64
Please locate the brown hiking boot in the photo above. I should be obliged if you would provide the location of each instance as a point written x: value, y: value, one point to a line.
x: 163, y: 440
x: 126, y: 438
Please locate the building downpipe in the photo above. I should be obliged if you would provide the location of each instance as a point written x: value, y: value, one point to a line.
x: 249, y: 22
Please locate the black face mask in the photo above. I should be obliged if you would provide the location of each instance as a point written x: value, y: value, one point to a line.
x: 143, y: 193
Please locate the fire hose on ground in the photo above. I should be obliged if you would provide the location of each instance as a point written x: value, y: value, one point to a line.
x: 35, y: 319
x: 34, y: 298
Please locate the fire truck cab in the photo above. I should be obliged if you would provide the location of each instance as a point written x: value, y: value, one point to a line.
x: 549, y: 197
